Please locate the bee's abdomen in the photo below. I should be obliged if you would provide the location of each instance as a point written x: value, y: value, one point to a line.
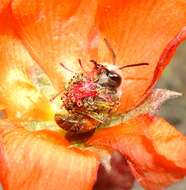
x: 76, y: 123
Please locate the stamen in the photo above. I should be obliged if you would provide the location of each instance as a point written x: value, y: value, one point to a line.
x: 54, y: 97
x: 80, y: 63
x: 95, y: 63
x: 66, y: 68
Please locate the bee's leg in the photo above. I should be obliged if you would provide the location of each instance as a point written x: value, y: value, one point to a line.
x: 85, y: 124
x: 73, y: 123
x: 63, y: 122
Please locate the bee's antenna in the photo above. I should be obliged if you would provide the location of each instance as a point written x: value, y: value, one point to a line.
x: 66, y: 68
x: 134, y: 65
x: 111, y: 50
x: 55, y: 96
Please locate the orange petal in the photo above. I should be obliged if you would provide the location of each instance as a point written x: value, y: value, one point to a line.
x: 156, y: 152
x: 139, y: 32
x: 54, y: 32
x: 3, y: 4
x: 18, y: 95
x: 43, y: 161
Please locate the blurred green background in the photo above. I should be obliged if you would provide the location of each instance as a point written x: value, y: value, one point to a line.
x: 174, y: 78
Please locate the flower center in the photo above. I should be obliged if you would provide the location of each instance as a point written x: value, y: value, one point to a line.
x: 90, y: 99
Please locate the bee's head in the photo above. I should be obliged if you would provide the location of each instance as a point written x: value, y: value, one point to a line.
x: 108, y: 76
x: 111, y: 76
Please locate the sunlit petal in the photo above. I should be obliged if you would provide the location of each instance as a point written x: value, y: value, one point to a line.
x: 18, y: 95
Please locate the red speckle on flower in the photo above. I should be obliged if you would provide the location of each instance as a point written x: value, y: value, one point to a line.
x: 80, y: 91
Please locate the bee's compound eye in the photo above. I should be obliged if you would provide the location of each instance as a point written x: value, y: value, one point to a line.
x: 114, y: 79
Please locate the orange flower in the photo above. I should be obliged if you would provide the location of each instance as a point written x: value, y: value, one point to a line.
x: 49, y: 32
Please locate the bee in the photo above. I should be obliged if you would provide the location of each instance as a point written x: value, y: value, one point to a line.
x: 91, y: 98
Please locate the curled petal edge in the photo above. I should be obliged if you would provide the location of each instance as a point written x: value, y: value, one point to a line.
x: 156, y: 152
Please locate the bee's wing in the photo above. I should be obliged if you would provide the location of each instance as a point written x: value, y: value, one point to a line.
x: 98, y: 117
